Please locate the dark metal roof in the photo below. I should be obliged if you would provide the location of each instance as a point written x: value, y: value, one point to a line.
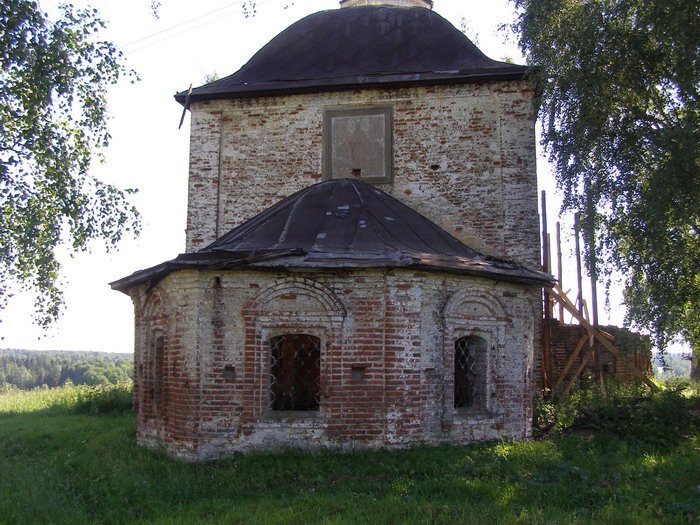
x: 340, y: 224
x: 356, y: 47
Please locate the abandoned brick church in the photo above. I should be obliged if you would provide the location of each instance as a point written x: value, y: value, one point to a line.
x: 362, y: 247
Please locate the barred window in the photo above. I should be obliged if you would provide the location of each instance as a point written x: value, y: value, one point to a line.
x: 295, y: 373
x: 470, y: 372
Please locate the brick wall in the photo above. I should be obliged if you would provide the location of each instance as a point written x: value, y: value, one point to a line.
x: 464, y: 156
x: 395, y: 328
x: 635, y: 352
x: 166, y: 393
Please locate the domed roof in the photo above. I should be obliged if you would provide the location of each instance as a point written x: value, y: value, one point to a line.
x: 360, y: 46
x: 340, y: 223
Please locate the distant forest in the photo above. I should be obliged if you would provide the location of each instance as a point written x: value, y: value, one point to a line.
x: 28, y: 369
x: 672, y: 366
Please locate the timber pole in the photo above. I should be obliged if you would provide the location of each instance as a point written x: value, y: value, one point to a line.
x: 560, y: 272
x: 546, y: 334
x: 579, y: 277
x: 592, y: 264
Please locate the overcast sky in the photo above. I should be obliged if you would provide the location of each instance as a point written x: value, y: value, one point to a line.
x: 190, y: 41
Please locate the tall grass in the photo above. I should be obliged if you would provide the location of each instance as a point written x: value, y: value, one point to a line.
x: 68, y: 399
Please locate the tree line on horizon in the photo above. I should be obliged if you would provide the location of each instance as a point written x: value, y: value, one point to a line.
x: 27, y: 369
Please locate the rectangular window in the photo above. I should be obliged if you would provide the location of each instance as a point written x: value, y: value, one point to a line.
x: 470, y: 372
x: 358, y: 144
x: 295, y: 373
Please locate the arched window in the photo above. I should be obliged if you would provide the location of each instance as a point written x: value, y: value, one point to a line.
x: 295, y: 373
x: 470, y: 372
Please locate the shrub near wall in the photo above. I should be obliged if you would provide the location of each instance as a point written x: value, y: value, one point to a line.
x: 628, y: 412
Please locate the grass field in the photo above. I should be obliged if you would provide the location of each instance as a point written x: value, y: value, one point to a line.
x: 77, y: 462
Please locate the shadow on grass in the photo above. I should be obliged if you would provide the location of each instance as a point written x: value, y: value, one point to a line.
x: 63, y: 468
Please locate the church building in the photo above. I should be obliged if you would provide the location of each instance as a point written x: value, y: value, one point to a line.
x: 362, y: 253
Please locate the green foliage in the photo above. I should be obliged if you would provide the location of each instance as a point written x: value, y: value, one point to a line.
x: 631, y: 344
x: 618, y: 84
x: 629, y: 412
x: 30, y: 369
x: 63, y: 468
x: 106, y: 399
x: 68, y: 399
x: 54, y: 76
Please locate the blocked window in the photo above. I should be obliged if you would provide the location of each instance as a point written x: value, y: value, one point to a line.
x: 470, y: 372
x: 358, y: 144
x: 295, y: 373
x: 158, y: 370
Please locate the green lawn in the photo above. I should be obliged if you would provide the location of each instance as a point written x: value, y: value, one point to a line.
x: 61, y: 467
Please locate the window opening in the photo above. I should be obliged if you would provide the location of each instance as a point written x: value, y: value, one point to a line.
x: 357, y: 372
x: 295, y: 373
x: 229, y: 373
x: 470, y: 372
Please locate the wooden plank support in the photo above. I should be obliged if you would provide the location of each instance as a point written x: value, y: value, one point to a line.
x: 570, y: 361
x: 550, y: 301
x: 581, y: 366
x: 558, y: 295
x: 560, y: 271
x: 546, y: 343
x: 579, y: 278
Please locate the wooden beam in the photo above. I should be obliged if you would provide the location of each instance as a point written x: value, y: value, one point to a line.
x: 606, y: 334
x: 547, y: 355
x: 545, y: 253
x: 579, y: 278
x: 557, y: 294
x: 578, y: 371
x: 560, y: 271
x: 546, y: 301
x: 570, y: 361
x: 550, y: 302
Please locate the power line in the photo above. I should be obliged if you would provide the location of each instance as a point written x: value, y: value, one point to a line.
x: 192, y: 28
x: 168, y: 37
x: 182, y: 24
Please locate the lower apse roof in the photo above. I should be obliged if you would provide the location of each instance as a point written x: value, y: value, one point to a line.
x: 339, y: 224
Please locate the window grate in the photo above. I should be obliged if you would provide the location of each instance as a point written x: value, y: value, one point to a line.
x: 295, y: 373
x: 469, y: 372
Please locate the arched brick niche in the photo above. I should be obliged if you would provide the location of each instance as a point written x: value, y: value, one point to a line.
x: 477, y: 364
x: 166, y: 379
x: 151, y: 364
x: 290, y: 323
